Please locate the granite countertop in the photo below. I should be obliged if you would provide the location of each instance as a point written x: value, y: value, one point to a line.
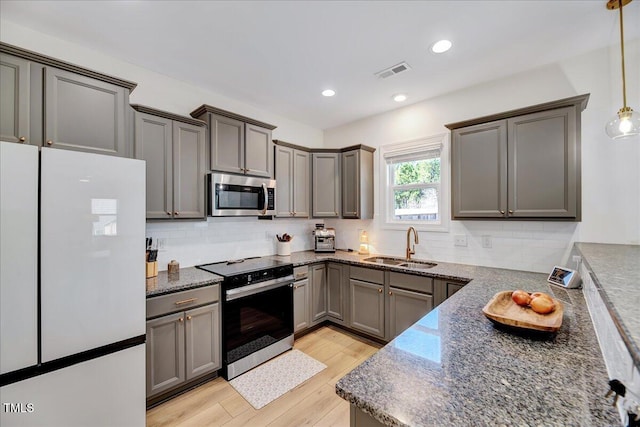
x: 616, y: 274
x: 455, y: 368
x: 185, y: 278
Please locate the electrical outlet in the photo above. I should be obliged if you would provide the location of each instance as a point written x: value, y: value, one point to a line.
x: 162, y: 244
x: 460, y: 240
x: 486, y: 242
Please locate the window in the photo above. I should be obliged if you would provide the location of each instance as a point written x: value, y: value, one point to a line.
x: 416, y: 172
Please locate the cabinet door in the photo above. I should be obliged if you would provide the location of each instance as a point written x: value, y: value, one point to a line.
x: 479, y: 171
x: 301, y: 165
x: 202, y: 326
x: 351, y: 184
x: 543, y: 164
x: 227, y: 144
x: 258, y: 151
x: 318, y: 293
x: 452, y: 288
x: 326, y: 185
x: 14, y: 99
x: 188, y: 170
x: 153, y: 144
x: 165, y: 353
x: 284, y: 181
x: 301, y: 319
x: 335, y: 295
x: 84, y: 114
x: 367, y: 307
x: 443, y: 289
x: 406, y: 308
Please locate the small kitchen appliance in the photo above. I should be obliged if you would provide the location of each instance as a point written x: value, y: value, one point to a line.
x: 564, y: 277
x: 325, y: 239
x: 257, y: 311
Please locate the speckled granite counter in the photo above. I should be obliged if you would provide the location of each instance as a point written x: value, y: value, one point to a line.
x: 455, y: 368
x: 186, y: 278
x: 616, y: 273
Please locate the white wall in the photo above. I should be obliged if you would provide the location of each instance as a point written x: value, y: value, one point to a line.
x: 610, y: 170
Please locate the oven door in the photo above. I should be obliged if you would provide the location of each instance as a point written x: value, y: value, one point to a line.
x: 231, y: 195
x: 255, y: 317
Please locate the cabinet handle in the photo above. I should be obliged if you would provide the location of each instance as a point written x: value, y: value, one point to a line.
x: 502, y: 212
x: 168, y: 213
x: 510, y: 211
x: 181, y: 320
x: 186, y: 301
x: 379, y: 290
x: 176, y: 213
x: 294, y: 213
x: 295, y: 286
x: 291, y: 213
x: 246, y: 170
x: 49, y: 142
x: 22, y: 139
x: 188, y: 317
x: 390, y: 293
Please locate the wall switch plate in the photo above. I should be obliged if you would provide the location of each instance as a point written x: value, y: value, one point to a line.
x: 460, y: 240
x: 486, y: 242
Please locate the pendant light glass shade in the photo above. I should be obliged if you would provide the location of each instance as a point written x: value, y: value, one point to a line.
x: 624, y: 124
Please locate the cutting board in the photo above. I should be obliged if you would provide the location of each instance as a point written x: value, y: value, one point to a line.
x: 502, y: 309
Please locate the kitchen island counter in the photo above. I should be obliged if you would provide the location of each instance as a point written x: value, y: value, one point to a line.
x: 455, y: 368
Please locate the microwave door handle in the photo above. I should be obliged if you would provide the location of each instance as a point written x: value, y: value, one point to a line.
x: 266, y: 199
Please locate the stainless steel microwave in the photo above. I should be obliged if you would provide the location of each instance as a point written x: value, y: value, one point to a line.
x: 239, y: 195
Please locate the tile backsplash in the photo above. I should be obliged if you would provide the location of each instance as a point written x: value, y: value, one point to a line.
x: 219, y: 239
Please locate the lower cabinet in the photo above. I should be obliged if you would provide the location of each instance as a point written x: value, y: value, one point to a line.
x: 301, y: 305
x: 318, y: 293
x: 182, y: 345
x: 367, y: 307
x: 406, y: 308
x: 335, y: 291
x: 443, y: 289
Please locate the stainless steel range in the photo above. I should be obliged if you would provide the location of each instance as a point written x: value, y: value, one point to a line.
x: 257, y: 311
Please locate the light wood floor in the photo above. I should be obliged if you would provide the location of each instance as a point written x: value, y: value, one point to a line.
x: 312, y: 403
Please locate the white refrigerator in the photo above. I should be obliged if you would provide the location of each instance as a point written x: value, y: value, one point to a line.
x: 72, y: 288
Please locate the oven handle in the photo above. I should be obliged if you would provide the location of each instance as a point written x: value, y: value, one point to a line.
x: 245, y: 291
x: 266, y: 198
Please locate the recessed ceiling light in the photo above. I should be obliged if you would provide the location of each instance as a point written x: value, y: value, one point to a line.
x: 400, y: 97
x: 328, y: 92
x: 441, y: 46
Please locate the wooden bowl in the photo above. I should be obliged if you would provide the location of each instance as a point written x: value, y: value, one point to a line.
x: 503, y: 310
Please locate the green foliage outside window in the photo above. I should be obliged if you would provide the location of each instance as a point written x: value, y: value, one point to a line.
x: 414, y: 172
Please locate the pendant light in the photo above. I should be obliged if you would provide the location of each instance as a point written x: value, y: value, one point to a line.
x: 626, y: 122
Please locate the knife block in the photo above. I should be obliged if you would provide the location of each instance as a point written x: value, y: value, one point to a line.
x: 152, y: 269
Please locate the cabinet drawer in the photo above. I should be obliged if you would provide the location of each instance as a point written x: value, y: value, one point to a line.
x: 411, y: 282
x: 179, y: 301
x: 367, y: 275
x: 301, y: 272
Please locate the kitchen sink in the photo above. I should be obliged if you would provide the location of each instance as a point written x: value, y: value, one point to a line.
x: 385, y: 260
x: 401, y: 262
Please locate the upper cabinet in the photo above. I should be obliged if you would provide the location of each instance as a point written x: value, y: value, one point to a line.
x: 326, y: 184
x: 292, y: 166
x: 56, y: 104
x: 522, y: 164
x: 237, y: 144
x: 174, y: 149
x: 357, y: 183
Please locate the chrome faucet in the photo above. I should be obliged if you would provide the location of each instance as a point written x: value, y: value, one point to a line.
x: 415, y: 241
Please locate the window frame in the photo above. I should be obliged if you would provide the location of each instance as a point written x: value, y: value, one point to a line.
x: 414, y: 148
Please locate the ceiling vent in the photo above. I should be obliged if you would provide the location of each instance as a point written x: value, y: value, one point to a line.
x: 392, y: 71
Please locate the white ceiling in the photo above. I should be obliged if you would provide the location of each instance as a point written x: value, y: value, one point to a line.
x: 279, y: 55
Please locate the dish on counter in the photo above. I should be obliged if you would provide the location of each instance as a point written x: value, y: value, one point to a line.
x: 501, y: 309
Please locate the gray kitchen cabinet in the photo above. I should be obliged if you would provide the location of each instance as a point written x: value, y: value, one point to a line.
x: 202, y: 328
x: 14, y: 99
x: 445, y: 288
x: 318, y: 293
x: 174, y: 151
x: 335, y: 291
x: 522, y: 164
x: 301, y: 305
x: 357, y: 183
x: 367, y: 307
x: 325, y: 185
x: 406, y: 308
x: 237, y: 144
x: 165, y: 353
x: 53, y: 103
x: 292, y: 181
x: 183, y: 339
